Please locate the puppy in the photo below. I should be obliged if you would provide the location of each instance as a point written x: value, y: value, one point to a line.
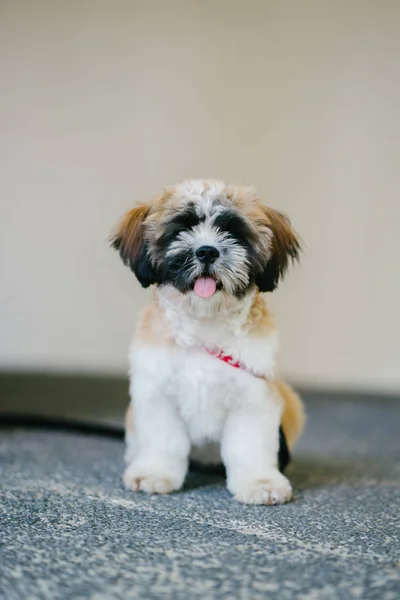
x: 202, y: 362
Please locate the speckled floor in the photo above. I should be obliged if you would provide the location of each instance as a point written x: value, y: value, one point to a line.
x: 69, y: 530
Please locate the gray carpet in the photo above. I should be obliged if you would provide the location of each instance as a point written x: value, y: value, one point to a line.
x: 69, y: 530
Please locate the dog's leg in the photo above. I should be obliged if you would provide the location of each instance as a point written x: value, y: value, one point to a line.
x: 162, y: 446
x: 250, y: 447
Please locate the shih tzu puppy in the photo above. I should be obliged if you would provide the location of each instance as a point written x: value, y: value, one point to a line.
x: 203, y: 383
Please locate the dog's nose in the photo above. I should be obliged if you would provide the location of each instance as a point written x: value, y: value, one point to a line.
x: 207, y: 254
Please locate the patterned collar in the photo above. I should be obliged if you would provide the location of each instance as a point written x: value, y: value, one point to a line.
x: 231, y: 361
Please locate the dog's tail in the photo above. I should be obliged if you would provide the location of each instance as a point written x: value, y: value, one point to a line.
x: 293, y: 416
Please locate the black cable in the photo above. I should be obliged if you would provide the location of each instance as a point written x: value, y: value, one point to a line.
x: 13, y: 421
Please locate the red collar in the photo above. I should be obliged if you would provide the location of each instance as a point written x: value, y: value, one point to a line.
x: 229, y: 360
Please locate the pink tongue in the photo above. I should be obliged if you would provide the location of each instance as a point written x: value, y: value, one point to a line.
x: 205, y: 287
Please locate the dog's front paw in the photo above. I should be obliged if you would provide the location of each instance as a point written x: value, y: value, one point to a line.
x: 143, y: 480
x: 273, y: 489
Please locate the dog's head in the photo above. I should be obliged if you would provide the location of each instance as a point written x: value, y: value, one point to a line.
x: 205, y: 237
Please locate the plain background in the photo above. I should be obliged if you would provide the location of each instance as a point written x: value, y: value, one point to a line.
x: 105, y: 102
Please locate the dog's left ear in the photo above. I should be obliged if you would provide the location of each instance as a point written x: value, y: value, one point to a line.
x: 284, y: 247
x: 129, y: 240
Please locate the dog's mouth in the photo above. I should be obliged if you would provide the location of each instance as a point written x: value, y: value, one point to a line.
x: 205, y: 287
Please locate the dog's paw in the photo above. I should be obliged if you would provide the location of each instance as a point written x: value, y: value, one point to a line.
x: 139, y: 480
x: 274, y: 489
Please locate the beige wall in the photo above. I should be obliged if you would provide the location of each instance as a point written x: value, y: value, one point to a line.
x: 105, y: 102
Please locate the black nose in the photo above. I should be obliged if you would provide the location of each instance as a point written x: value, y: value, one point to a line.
x: 207, y: 254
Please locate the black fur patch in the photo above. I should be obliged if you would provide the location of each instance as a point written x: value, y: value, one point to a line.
x: 231, y: 223
x: 143, y: 269
x: 139, y: 264
x: 188, y: 218
x: 268, y: 279
x: 283, y: 452
x: 183, y: 221
x: 174, y: 270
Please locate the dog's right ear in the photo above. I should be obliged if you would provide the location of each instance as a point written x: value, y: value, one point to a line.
x: 129, y: 240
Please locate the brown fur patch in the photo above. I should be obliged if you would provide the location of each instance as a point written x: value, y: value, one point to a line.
x: 260, y: 320
x: 152, y: 328
x: 293, y: 417
x: 129, y: 234
x: 285, y: 240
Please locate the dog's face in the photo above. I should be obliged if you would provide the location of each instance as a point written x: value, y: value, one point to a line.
x: 204, y: 237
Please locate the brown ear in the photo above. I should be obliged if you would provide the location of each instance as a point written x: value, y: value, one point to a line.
x: 130, y: 241
x: 285, y: 246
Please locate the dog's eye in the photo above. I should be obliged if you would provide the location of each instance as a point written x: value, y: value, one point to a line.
x: 232, y: 224
x: 187, y: 219
x: 183, y: 221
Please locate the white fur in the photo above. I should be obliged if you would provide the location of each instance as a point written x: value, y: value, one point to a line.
x: 195, y: 190
x: 186, y: 400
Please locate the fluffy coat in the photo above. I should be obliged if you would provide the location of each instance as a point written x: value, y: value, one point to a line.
x: 185, y: 403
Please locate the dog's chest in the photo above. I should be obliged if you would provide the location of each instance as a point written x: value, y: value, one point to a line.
x: 205, y: 390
